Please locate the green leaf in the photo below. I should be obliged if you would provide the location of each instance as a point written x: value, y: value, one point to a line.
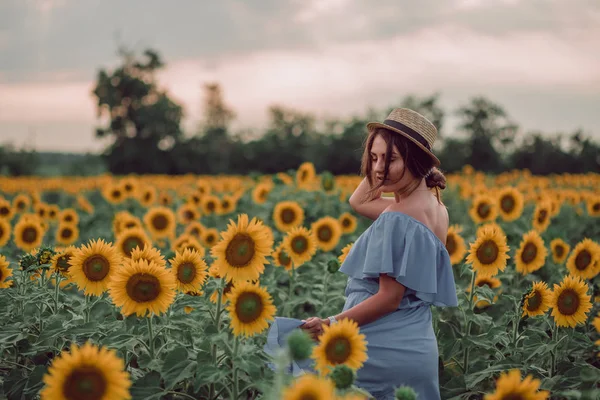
x: 177, y: 367
x: 590, y: 374
x: 147, y: 387
x: 54, y: 329
x: 10, y: 335
x: 34, y: 382
x: 14, y: 384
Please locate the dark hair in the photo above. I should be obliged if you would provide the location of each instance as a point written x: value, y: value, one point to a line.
x: 418, y: 162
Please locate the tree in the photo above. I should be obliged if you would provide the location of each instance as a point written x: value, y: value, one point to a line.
x: 144, y: 122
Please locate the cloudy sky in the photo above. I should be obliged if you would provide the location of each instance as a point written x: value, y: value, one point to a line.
x: 539, y: 59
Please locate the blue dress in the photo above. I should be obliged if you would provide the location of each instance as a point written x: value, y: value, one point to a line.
x: 401, y: 346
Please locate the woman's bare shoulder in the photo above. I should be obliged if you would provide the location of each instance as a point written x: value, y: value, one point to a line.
x: 435, y: 216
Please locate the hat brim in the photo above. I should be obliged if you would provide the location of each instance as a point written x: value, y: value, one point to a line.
x: 374, y: 125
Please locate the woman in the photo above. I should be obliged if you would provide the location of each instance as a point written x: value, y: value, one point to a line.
x: 399, y: 267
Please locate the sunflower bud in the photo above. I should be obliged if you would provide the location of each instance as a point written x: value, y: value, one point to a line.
x: 333, y: 265
x: 327, y: 181
x: 44, y: 255
x: 343, y: 376
x: 405, y: 393
x: 300, y: 345
x: 28, y: 262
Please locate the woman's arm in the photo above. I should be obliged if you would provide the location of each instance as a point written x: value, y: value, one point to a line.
x: 370, y: 206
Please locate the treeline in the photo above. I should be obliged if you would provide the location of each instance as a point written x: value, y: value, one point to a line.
x: 146, y: 135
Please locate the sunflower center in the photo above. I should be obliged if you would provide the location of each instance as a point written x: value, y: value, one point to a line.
x: 568, y: 302
x: 85, y: 383
x: 484, y: 282
x: 4, y: 210
x: 338, y: 350
x: 483, y: 210
x: 20, y: 205
x: 324, y: 234
x: 529, y: 253
x: 507, y: 203
x: 559, y: 250
x: 450, y: 244
x: 143, y: 287
x: 284, y: 259
x: 299, y: 244
x: 1, y: 232
x: 128, y: 187
x: 513, y: 396
x: 225, y: 203
x: 188, y: 215
x: 63, y: 262
x: 96, y: 268
x: 534, y: 301
x: 240, y: 250
x: 542, y: 216
x: 487, y: 253
x: 596, y: 207
x: 147, y: 196
x: 346, y: 222
x: 210, y: 238
x: 68, y: 218
x: 66, y: 233
x: 29, y: 235
x: 210, y: 205
x: 131, y: 243
x: 583, y: 260
x: 308, y: 396
x: 186, y: 272
x: 116, y: 194
x: 262, y: 194
x: 288, y: 216
x: 160, y: 222
x: 248, y: 307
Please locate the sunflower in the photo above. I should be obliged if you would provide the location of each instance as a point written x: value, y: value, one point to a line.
x: 189, y: 270
x: 327, y: 231
x: 510, y: 386
x: 67, y: 234
x: 129, y: 239
x: 287, y: 215
x: 347, y: 222
x: 211, y: 204
x: 69, y: 216
x: 5, y: 273
x: 261, y: 192
x: 596, y: 323
x: 195, y: 229
x: 160, y: 221
x: 340, y: 343
x: 455, y: 244
x: 541, y: 216
x: 6, y: 210
x: 281, y: 258
x: 93, y: 265
x: 483, y: 209
x: 309, y: 387
x: 148, y: 253
x: 345, y: 251
x: 147, y: 196
x: 538, y: 300
x: 21, y: 203
x: 187, y: 241
x: 130, y: 186
x: 226, y: 291
x: 300, y: 245
x: 510, y: 203
x: 84, y: 204
x: 305, y: 175
x: 242, y: 252
x: 87, y: 373
x: 28, y: 233
x: 142, y: 287
x: 187, y: 213
x: 41, y: 210
x: 61, y: 260
x: 489, y: 253
x: 210, y: 236
x: 203, y: 186
x: 113, y: 193
x: 165, y: 199
x: 5, y: 231
x: 560, y: 250
x: 492, y: 283
x: 531, y: 254
x: 584, y: 260
x: 570, y: 302
x: 250, y: 308
x: 593, y: 205
x: 228, y: 204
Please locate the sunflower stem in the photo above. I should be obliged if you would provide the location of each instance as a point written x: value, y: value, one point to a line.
x: 87, y: 309
x: 554, y: 351
x: 236, y: 344
x: 56, y: 291
x: 468, y: 324
x: 213, y: 349
x: 151, y: 336
x: 515, y: 325
x: 290, y: 290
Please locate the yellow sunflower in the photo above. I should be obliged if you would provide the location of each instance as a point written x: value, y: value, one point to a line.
x: 142, y: 287
x: 67, y: 234
x: 21, y: 203
x: 69, y: 216
x: 226, y: 292
x: 242, y: 252
x: 113, y: 193
x: 345, y: 251
x: 210, y: 237
x: 510, y: 386
x: 5, y: 231
x: 5, y: 273
x: 93, y: 265
x: 593, y: 205
x: 510, y: 203
x: 195, y: 229
x: 489, y: 253
x: 189, y: 270
x: 261, y: 192
x: 310, y: 387
x: 596, y: 323
x: 6, y: 210
x: 211, y: 204
x: 455, y: 244
x: 538, y: 300
x: 87, y: 373
x: 340, y: 343
x: 149, y: 254
x: 531, y: 254
x: 228, y: 204
x: 492, y: 283
x: 28, y: 234
x: 327, y: 231
x: 305, y: 175
x: 250, y: 308
x: 541, y: 216
x: 129, y: 239
x: 287, y: 215
x: 53, y: 212
x: 147, y: 196
x: 165, y: 199
x: 584, y: 260
x: 62, y: 259
x: 300, y: 244
x: 348, y: 223
x: 160, y: 221
x: 281, y: 258
x: 560, y: 250
x: 483, y: 209
x: 187, y: 213
x: 570, y: 302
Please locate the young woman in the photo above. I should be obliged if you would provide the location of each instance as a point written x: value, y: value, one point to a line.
x: 399, y: 267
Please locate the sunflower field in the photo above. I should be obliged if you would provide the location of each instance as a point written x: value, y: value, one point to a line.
x: 164, y: 287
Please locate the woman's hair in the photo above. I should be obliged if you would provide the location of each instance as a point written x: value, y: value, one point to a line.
x: 418, y: 162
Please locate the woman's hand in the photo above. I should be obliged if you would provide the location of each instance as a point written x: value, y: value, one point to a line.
x: 314, y: 326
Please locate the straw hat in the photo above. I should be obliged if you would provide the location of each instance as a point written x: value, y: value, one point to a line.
x: 411, y: 125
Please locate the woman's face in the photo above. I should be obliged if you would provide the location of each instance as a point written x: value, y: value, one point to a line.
x: 394, y: 181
